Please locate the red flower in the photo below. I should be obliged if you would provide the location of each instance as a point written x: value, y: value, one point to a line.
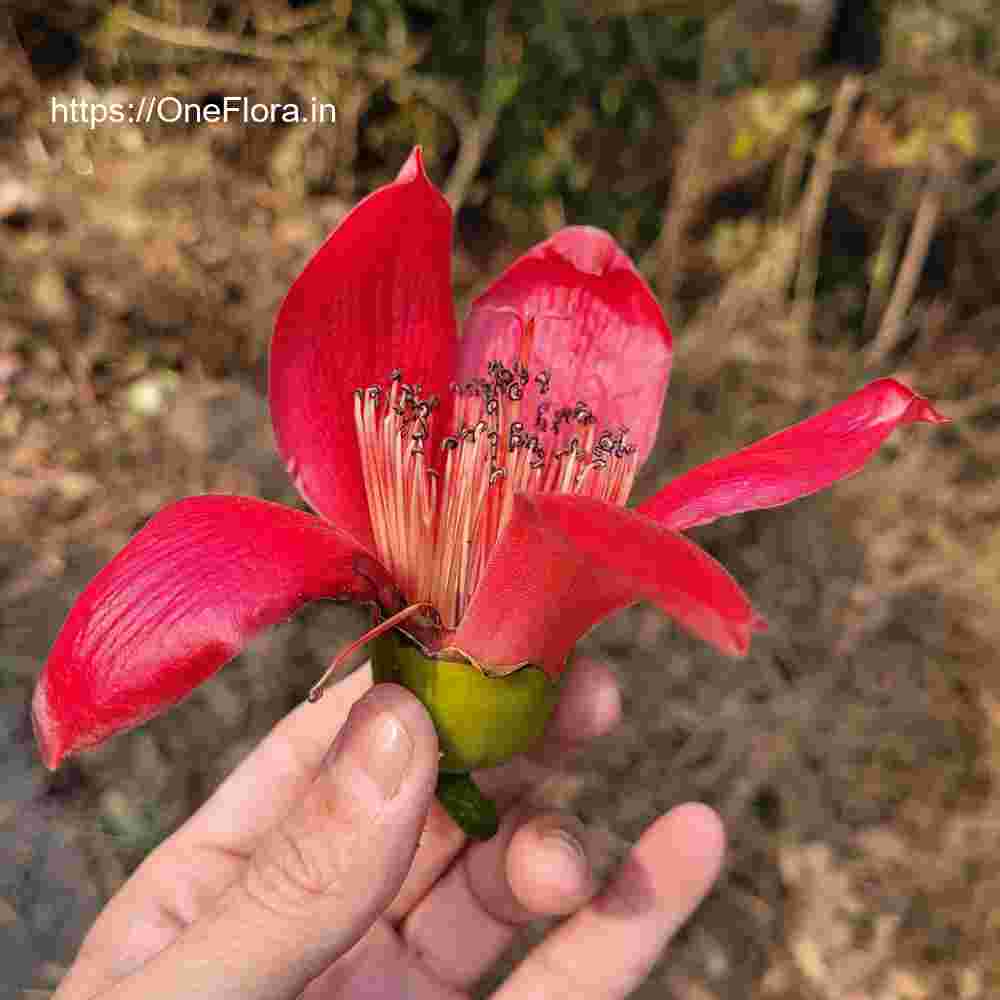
x: 485, y: 477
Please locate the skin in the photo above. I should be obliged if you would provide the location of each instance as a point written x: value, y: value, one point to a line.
x: 325, y: 872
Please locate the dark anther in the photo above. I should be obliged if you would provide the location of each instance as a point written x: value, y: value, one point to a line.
x: 562, y: 416
x: 492, y: 405
x: 450, y: 443
x: 514, y: 392
x: 397, y: 374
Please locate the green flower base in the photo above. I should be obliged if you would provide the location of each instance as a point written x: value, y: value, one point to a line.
x: 481, y: 721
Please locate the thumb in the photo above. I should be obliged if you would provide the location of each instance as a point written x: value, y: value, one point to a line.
x: 320, y: 879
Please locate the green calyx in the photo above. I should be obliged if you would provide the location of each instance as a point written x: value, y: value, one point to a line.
x: 481, y: 721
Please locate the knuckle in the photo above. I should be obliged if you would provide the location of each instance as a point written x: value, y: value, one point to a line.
x: 294, y: 872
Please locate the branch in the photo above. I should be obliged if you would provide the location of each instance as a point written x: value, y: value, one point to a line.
x: 477, y: 134
x: 924, y: 224
x: 816, y: 197
x: 379, y: 67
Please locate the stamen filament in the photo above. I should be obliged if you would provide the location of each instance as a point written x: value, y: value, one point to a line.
x: 436, y: 520
x: 316, y: 691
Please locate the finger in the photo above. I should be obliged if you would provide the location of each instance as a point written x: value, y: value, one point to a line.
x: 285, y: 762
x: 318, y: 881
x: 530, y: 869
x: 607, y: 949
x: 589, y: 706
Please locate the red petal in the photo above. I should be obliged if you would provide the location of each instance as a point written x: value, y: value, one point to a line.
x: 598, y: 330
x: 376, y: 296
x: 179, y: 601
x: 793, y: 463
x: 565, y: 562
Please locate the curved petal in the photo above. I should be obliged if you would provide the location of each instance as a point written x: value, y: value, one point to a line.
x: 179, y: 601
x: 598, y: 330
x: 375, y: 297
x: 793, y: 463
x: 565, y: 562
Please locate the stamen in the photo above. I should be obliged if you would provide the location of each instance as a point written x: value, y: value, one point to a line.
x: 437, y: 511
x: 316, y: 691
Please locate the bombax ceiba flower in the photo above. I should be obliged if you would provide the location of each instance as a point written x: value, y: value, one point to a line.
x: 471, y: 490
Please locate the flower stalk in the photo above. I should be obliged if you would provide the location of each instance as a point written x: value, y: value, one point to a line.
x: 481, y: 721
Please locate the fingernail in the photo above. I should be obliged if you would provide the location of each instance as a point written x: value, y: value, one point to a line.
x: 560, y: 839
x: 383, y: 750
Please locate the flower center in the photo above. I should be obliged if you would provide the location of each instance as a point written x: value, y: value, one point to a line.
x: 437, y: 518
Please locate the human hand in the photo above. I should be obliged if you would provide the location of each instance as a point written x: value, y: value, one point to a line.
x: 300, y: 876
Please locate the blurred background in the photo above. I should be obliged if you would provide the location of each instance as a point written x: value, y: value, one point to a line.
x: 812, y: 189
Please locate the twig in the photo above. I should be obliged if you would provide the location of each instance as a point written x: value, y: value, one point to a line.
x: 762, y: 286
x: 816, y: 197
x: 218, y: 41
x: 793, y: 167
x: 924, y: 224
x: 887, y: 254
x: 476, y: 135
x: 287, y: 24
x: 687, y: 188
x: 474, y: 131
